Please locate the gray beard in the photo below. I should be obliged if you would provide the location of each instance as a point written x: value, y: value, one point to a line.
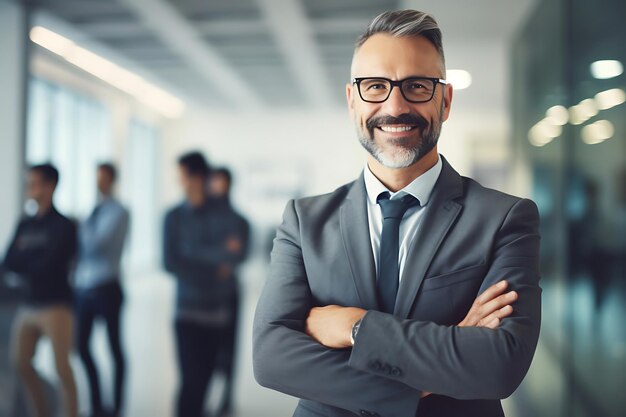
x: 402, y: 156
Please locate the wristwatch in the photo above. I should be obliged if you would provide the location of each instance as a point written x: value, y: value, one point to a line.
x: 355, y: 330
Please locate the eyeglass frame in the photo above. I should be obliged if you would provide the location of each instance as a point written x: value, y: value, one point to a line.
x: 434, y: 80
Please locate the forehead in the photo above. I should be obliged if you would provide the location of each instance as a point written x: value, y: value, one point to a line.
x: 395, y: 57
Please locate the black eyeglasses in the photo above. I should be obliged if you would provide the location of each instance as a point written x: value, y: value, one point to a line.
x: 413, y: 89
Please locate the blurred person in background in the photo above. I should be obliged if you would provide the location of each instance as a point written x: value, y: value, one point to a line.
x: 220, y: 183
x: 200, y: 250
x: 41, y: 253
x: 387, y: 296
x: 98, y: 290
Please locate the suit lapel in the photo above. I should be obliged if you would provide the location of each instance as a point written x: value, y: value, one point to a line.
x: 441, y: 212
x: 357, y: 243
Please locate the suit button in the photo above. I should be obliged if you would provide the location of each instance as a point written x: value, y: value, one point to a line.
x: 396, y: 371
x: 377, y: 366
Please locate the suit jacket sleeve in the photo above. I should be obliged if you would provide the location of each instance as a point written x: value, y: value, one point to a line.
x: 469, y: 362
x: 288, y: 360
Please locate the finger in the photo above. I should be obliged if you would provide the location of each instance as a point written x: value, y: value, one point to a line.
x: 497, y: 303
x: 498, y: 314
x: 492, y: 292
x: 493, y: 324
x: 488, y: 302
x: 476, y: 311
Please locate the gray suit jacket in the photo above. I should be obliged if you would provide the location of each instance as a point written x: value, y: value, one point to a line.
x: 470, y: 238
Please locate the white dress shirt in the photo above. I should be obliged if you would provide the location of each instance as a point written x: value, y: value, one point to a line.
x: 420, y: 188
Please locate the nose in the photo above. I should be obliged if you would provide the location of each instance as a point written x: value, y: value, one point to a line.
x: 396, y: 104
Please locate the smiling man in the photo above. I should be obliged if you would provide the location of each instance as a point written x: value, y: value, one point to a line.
x: 411, y: 291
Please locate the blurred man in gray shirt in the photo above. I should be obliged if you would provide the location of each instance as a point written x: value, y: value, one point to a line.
x: 98, y: 291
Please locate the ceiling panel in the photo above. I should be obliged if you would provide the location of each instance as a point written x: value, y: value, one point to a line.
x: 196, y: 10
x: 348, y: 8
x: 238, y: 32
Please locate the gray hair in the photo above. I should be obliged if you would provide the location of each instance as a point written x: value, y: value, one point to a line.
x: 406, y: 23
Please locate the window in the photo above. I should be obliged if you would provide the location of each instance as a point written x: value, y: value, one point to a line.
x: 74, y: 132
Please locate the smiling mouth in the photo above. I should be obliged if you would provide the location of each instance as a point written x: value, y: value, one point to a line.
x: 396, y: 128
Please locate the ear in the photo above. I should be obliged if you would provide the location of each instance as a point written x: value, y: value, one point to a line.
x: 447, y: 101
x: 350, y: 98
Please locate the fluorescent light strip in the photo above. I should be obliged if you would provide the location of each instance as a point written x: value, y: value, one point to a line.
x: 109, y: 72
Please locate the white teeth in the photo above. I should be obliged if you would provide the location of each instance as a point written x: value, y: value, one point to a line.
x: 396, y: 128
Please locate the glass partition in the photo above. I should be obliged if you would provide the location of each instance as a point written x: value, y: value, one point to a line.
x: 570, y: 126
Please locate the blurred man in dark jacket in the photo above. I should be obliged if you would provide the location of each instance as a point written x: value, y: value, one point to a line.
x: 200, y: 249
x: 220, y: 184
x: 41, y: 253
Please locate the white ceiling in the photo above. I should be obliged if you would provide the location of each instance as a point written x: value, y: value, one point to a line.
x: 285, y: 53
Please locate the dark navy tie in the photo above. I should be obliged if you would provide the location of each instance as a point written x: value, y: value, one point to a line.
x: 388, y: 263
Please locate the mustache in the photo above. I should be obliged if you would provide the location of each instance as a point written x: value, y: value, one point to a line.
x: 403, y: 119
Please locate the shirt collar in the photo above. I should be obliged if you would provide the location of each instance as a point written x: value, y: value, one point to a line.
x: 420, y: 188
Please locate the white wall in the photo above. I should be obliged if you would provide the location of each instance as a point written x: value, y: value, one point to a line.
x: 11, y: 117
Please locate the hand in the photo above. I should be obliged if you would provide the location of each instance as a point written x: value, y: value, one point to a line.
x: 233, y: 245
x: 331, y: 325
x: 488, y: 309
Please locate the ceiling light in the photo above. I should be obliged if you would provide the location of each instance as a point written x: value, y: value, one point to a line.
x: 536, y: 137
x: 576, y: 116
x: 548, y: 129
x: 460, y: 79
x: 607, y: 68
x: 109, y: 72
x: 544, y: 132
x: 588, y: 108
x: 50, y: 40
x: 597, y: 132
x: 610, y: 98
x: 557, y: 115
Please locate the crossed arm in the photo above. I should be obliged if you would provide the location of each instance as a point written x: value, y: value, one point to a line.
x: 332, y: 325
x: 485, y: 356
x: 179, y: 256
x: 20, y: 258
